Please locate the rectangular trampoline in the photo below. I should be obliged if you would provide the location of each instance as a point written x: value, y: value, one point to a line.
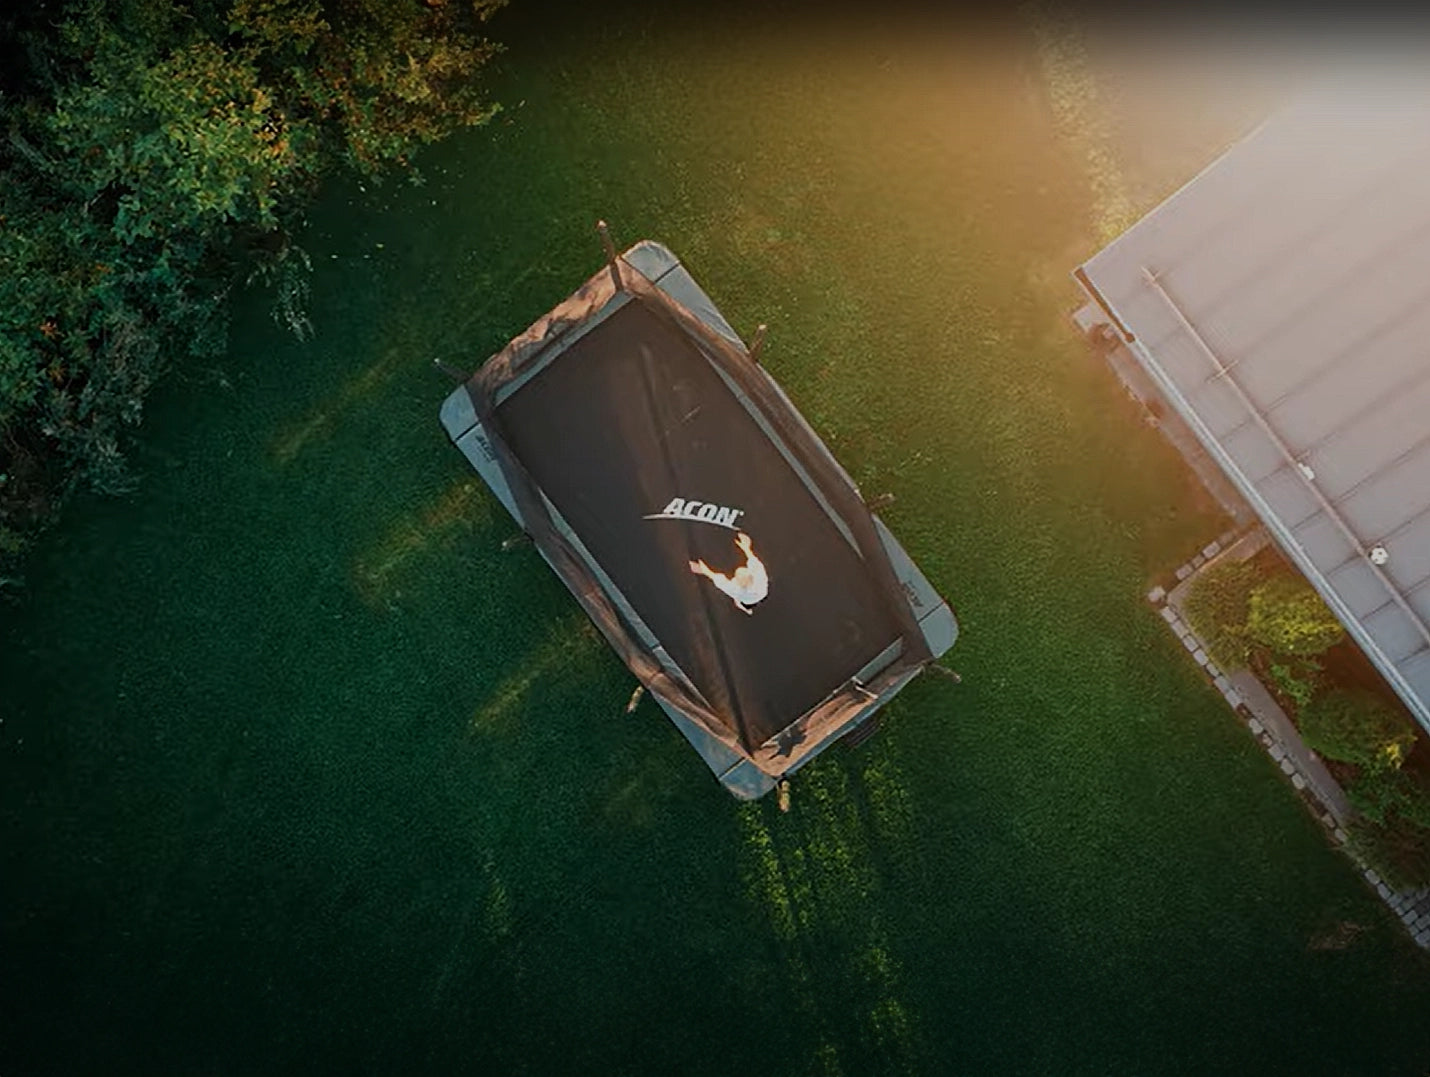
x: 703, y: 526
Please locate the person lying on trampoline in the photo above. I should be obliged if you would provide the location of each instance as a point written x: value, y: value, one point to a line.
x: 747, y: 585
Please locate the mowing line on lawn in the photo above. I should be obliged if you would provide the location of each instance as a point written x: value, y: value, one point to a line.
x: 297, y: 436
x: 813, y: 873
x: 461, y: 507
x: 569, y: 638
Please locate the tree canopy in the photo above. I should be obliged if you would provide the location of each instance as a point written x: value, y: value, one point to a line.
x: 154, y: 154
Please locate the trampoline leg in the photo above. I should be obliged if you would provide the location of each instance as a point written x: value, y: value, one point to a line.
x: 782, y: 792
x: 635, y: 699
x: 883, y: 501
x: 514, y: 541
x: 451, y: 371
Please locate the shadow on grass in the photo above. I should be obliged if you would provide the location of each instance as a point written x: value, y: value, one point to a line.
x: 816, y: 875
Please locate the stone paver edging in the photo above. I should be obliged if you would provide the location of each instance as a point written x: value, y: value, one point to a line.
x: 1268, y: 723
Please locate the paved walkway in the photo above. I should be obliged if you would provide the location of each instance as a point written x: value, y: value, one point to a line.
x: 1287, y: 748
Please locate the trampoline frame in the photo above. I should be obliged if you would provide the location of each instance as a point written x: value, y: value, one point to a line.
x: 649, y: 272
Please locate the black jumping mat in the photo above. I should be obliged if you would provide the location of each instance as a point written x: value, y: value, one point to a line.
x: 664, y: 470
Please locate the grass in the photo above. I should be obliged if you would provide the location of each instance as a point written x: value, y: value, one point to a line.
x: 300, y: 773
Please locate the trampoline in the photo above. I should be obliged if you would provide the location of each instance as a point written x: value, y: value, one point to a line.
x: 700, y: 522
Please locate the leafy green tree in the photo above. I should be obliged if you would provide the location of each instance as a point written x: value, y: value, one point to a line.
x: 1286, y: 615
x: 1357, y: 727
x: 380, y: 77
x: 186, y: 144
x: 156, y: 154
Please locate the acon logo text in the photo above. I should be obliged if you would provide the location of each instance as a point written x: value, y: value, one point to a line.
x: 702, y: 511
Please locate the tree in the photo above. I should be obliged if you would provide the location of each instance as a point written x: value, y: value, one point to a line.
x: 379, y: 77
x: 186, y: 144
x: 156, y: 154
x: 1286, y: 615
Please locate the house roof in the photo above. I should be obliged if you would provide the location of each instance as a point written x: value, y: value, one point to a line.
x: 1281, y: 303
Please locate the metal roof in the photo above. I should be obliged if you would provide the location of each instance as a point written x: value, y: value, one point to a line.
x: 1281, y: 303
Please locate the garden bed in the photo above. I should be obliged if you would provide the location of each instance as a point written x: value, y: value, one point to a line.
x: 1252, y: 612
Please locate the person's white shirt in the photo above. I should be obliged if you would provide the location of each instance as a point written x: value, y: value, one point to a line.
x: 747, y: 585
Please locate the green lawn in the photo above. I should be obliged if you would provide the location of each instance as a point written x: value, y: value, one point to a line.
x: 299, y: 773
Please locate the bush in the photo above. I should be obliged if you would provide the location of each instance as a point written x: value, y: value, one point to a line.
x: 1297, y: 679
x: 1397, y: 851
x: 1381, y: 794
x: 1357, y: 727
x: 1286, y: 615
x: 1414, y: 807
x: 1217, y: 605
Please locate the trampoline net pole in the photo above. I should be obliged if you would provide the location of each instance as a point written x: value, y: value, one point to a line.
x: 757, y: 345
x: 610, y: 254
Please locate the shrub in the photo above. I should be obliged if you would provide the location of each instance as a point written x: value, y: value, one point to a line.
x: 1297, y: 678
x: 1380, y: 794
x: 1357, y: 727
x: 1217, y: 605
x: 1397, y: 851
x: 1286, y: 615
x: 1415, y: 805
x: 1388, y: 795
